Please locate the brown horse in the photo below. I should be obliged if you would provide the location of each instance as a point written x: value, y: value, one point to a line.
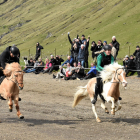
x: 112, y: 75
x: 9, y: 88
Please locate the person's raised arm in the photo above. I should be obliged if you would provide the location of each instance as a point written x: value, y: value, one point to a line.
x: 69, y: 38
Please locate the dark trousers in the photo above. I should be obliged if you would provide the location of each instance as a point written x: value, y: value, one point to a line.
x: 132, y: 70
x: 89, y: 76
x: 50, y: 69
x: 138, y: 68
x: 98, y: 87
x: 37, y: 56
x: 86, y: 61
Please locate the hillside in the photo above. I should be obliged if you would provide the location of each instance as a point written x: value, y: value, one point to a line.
x: 25, y: 22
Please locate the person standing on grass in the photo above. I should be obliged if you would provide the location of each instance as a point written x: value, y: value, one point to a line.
x: 38, y: 50
x: 137, y: 55
x: 115, y: 44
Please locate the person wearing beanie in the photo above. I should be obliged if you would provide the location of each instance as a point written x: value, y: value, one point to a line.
x: 115, y: 44
x: 104, y: 43
x: 137, y: 56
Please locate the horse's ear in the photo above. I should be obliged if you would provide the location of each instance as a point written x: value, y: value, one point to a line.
x: 7, y: 72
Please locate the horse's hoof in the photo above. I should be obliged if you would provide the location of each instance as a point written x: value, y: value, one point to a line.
x: 107, y: 112
x: 21, y: 117
x: 119, y: 107
x: 113, y: 112
x: 10, y: 110
x: 98, y: 120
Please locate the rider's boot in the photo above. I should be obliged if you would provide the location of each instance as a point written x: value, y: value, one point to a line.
x: 95, y: 95
x: 101, y: 96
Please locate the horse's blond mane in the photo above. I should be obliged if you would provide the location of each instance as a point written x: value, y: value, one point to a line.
x: 109, y: 70
x: 11, y: 67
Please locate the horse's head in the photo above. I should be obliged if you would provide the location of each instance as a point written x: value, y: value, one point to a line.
x: 19, y: 78
x: 120, y: 76
x: 14, y: 73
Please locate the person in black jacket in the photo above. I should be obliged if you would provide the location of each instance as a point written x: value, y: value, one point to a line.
x: 93, y: 49
x: 87, y: 52
x: 125, y: 63
x: 137, y: 56
x: 72, y: 43
x: 9, y: 55
x: 38, y: 50
x: 30, y: 65
x: 131, y: 66
x: 115, y: 44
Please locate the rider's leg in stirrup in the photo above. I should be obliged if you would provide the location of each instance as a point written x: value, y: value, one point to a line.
x: 95, y: 95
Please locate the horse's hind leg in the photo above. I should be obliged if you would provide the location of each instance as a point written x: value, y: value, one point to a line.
x: 104, y: 107
x: 94, y: 110
x: 118, y: 106
x: 10, y: 103
x: 17, y: 108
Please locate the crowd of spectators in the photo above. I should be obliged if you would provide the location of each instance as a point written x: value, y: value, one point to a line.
x: 75, y: 65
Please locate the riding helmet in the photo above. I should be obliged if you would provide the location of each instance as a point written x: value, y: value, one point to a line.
x: 14, y: 50
x: 107, y: 47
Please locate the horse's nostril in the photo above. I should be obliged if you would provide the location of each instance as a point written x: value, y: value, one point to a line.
x: 20, y: 88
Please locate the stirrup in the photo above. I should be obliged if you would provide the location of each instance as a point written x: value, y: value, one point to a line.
x: 93, y: 101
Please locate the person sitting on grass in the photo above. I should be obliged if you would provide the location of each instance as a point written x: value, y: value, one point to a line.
x: 40, y: 66
x: 48, y: 64
x: 30, y: 65
x: 69, y: 60
x: 92, y: 73
x: 36, y: 63
x: 131, y: 66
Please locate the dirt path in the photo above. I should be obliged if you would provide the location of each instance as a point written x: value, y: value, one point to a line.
x: 46, y: 105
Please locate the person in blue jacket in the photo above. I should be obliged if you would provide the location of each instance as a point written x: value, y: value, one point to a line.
x: 69, y: 60
x: 92, y: 73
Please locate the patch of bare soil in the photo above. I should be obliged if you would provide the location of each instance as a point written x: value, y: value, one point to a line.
x: 46, y: 106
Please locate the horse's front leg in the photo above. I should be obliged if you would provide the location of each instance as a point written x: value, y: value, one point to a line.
x: 17, y: 108
x: 113, y: 106
x: 10, y: 103
x: 118, y: 106
x: 104, y: 107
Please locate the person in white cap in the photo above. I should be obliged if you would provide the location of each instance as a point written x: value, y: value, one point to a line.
x: 115, y: 44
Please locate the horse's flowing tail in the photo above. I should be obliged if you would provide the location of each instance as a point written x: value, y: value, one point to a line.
x: 79, y: 95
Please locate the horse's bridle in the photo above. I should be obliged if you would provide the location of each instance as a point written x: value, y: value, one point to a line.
x: 14, y: 78
x: 117, y: 76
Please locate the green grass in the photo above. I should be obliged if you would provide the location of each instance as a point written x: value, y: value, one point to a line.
x: 101, y: 19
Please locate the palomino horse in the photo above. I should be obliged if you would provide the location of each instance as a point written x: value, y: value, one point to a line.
x: 9, y: 88
x: 112, y: 75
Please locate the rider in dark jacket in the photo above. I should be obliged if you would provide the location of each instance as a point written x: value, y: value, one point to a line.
x: 9, y: 55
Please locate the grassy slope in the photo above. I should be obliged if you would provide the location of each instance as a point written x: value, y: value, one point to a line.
x: 101, y: 19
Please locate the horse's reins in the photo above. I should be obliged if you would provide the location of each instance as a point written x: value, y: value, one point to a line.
x: 15, y: 78
x: 117, y: 76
